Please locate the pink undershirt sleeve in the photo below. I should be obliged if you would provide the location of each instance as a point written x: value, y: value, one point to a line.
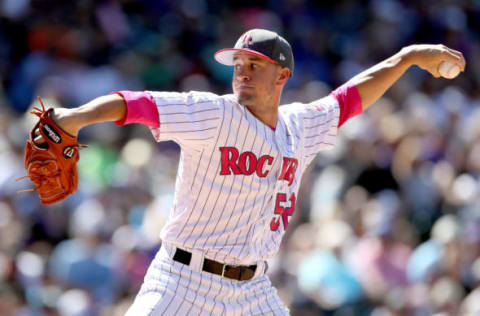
x: 141, y: 108
x: 349, y: 100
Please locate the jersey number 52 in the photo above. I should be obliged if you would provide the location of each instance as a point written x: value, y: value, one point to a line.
x: 282, y: 211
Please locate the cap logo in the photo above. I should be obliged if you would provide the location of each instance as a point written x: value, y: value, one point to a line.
x: 281, y: 57
x: 247, y: 39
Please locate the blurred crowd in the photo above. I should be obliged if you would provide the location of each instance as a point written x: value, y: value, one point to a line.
x: 386, y: 224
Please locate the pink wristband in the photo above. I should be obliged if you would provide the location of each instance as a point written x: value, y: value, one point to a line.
x: 349, y: 101
x: 141, y: 108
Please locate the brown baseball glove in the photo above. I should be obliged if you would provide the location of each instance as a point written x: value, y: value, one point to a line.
x: 52, y: 165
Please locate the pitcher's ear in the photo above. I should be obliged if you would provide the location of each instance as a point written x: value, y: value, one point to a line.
x: 283, y: 75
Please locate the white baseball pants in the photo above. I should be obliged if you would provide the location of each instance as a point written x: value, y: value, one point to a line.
x: 172, y: 288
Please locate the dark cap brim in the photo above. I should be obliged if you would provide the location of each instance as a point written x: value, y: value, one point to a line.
x: 225, y: 56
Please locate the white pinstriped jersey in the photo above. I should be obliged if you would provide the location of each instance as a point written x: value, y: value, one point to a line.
x: 238, y: 179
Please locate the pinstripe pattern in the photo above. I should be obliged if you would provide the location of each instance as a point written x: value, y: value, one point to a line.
x: 227, y: 215
x: 171, y: 288
x: 237, y: 204
x: 203, y: 228
x: 223, y: 191
x: 250, y: 232
x: 199, y: 187
x: 222, y: 214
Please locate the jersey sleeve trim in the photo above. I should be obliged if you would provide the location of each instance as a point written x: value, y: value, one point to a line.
x: 349, y: 101
x: 141, y: 108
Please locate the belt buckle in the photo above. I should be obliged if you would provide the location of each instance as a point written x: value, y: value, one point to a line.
x: 227, y: 267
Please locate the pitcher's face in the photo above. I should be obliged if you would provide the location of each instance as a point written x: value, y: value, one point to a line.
x: 253, y: 79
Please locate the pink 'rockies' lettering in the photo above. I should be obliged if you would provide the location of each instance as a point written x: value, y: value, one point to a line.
x: 229, y: 156
x: 247, y: 168
x: 261, y: 163
x: 288, y: 170
x: 245, y: 163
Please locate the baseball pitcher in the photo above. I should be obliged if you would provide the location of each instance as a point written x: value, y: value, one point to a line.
x: 242, y: 158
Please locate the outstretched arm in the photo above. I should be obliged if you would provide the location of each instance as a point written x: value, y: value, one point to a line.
x: 374, y: 82
x: 102, y: 109
x: 121, y: 107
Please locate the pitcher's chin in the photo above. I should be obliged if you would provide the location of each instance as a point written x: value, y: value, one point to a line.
x: 245, y: 98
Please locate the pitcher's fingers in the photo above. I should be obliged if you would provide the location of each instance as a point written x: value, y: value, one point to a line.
x: 462, y: 61
x: 459, y: 55
x: 451, y: 57
x: 39, y: 140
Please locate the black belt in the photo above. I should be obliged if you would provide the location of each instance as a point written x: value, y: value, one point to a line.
x: 240, y: 273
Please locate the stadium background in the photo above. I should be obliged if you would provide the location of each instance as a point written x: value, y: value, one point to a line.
x: 388, y: 223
